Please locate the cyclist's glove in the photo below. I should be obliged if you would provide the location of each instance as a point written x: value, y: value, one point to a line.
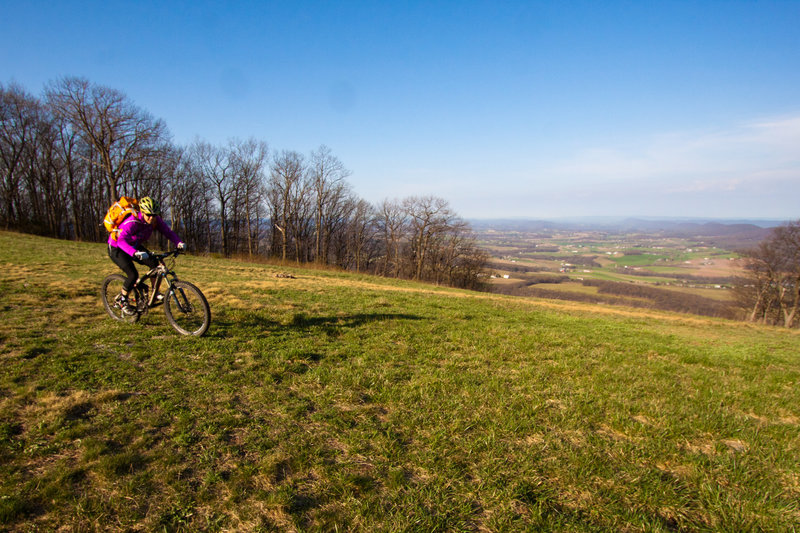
x: 141, y: 256
x: 182, y: 246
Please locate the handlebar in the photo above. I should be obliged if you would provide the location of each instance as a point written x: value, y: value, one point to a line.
x: 165, y: 255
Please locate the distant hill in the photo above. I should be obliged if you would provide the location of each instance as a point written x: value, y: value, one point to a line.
x: 732, y: 234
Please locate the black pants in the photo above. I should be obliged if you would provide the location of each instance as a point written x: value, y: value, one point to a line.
x: 125, y: 262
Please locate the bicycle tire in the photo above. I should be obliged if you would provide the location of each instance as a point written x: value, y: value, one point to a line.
x: 187, y: 309
x: 111, y: 288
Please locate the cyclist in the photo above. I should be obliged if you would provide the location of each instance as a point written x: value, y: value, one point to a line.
x: 127, y: 245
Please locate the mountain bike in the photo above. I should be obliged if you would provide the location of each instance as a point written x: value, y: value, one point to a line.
x: 185, y: 305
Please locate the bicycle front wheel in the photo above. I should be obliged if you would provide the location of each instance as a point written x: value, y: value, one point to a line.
x: 112, y: 286
x: 187, y: 309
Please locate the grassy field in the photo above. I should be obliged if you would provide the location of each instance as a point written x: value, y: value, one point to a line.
x: 330, y: 401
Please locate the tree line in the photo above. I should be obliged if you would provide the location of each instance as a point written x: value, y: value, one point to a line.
x: 66, y: 156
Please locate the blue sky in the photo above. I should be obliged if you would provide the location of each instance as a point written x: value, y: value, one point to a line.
x: 506, y: 109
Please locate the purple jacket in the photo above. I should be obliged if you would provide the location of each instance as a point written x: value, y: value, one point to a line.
x: 135, y: 231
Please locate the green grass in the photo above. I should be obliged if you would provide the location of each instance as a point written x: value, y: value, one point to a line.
x: 641, y: 260
x: 333, y: 401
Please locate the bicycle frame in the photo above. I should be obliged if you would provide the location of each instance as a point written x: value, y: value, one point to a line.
x: 158, y: 275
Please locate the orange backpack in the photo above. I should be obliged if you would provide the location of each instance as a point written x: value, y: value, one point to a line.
x: 119, y: 212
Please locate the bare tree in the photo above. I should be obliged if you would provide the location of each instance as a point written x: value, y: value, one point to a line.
x: 120, y: 132
x: 428, y: 216
x: 192, y: 204
x: 249, y: 159
x: 45, y: 181
x: 214, y: 165
x: 361, y: 234
x: 67, y: 146
x: 392, y: 223
x: 301, y: 228
x: 286, y: 175
x: 787, y: 242
x: 18, y: 123
x: 326, y: 176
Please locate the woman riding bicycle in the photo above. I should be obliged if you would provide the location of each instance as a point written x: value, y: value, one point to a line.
x: 127, y: 245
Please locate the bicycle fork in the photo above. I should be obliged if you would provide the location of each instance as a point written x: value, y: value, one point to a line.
x: 183, y: 302
x: 175, y: 292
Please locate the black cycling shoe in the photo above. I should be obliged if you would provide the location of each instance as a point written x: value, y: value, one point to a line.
x: 122, y: 302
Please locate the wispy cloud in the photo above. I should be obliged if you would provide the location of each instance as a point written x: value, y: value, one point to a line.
x: 727, y: 159
x: 747, y: 169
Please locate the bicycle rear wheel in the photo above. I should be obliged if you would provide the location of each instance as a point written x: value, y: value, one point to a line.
x: 112, y: 286
x: 187, y: 309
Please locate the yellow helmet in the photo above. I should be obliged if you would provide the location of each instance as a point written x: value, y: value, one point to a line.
x: 148, y: 206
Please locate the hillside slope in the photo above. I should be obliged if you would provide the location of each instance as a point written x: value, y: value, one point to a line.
x: 331, y: 401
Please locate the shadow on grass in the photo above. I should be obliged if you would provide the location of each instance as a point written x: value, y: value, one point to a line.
x: 254, y: 324
x: 300, y: 320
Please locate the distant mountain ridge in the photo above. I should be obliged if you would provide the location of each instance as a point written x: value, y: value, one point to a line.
x: 719, y: 232
x: 620, y: 223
